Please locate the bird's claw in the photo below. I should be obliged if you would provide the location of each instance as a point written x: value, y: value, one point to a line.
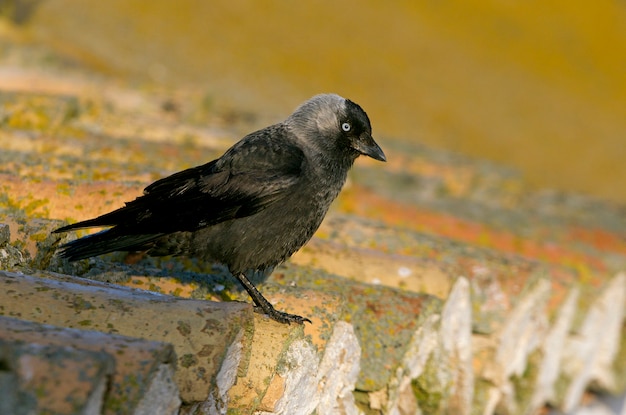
x: 281, y: 316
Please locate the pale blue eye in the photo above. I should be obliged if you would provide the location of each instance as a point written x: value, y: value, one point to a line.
x: 345, y: 126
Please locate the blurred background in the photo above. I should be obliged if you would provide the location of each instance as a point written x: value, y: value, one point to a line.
x: 539, y: 86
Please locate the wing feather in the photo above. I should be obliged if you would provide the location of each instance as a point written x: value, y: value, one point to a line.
x: 253, y: 174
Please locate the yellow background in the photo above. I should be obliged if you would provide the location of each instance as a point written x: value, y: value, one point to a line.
x: 540, y: 86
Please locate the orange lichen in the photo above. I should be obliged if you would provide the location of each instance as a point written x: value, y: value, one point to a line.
x: 363, y: 202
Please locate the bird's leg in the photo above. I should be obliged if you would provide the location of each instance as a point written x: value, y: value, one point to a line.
x: 264, y: 306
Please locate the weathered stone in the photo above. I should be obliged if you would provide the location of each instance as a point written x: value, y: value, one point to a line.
x: 200, y: 331
x: 438, y: 283
x: 103, y: 373
x: 5, y: 234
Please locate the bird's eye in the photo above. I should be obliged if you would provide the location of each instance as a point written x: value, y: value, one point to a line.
x: 345, y: 126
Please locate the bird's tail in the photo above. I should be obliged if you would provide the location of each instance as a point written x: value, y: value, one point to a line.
x: 104, y: 242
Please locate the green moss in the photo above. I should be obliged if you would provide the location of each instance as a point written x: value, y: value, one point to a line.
x: 619, y: 364
x: 481, y: 396
x: 34, y: 205
x: 525, y: 384
x: 177, y: 292
x: 362, y: 401
x: 428, y: 389
x: 428, y: 401
x: 154, y: 287
x: 119, y: 401
x: 6, y: 201
x: 38, y: 237
x: 561, y: 385
x: 188, y: 360
x: 183, y: 328
x: 80, y: 304
x: 120, y: 305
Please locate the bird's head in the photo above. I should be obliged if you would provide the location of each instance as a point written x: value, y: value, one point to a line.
x: 336, y: 126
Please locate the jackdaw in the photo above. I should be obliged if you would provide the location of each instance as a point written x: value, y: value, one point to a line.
x: 250, y: 209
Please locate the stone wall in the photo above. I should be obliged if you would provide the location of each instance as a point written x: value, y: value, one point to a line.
x: 437, y: 283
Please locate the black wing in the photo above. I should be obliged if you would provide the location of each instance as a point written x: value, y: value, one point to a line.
x: 258, y: 171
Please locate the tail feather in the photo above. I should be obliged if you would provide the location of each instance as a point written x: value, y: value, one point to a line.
x: 78, y: 225
x: 105, y: 242
x: 90, y: 223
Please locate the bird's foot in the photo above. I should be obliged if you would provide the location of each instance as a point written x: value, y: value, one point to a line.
x: 265, y: 307
x: 281, y: 316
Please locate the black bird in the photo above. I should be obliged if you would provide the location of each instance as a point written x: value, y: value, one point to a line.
x: 253, y: 207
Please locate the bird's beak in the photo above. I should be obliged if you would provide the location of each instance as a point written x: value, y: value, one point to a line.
x: 368, y: 147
